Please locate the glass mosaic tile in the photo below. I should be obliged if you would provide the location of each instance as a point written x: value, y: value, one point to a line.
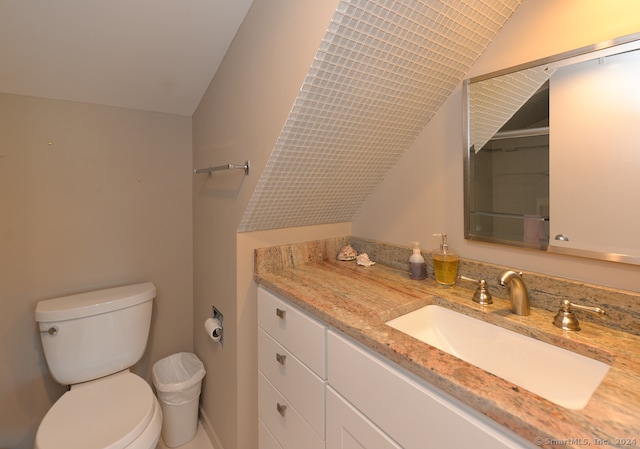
x: 383, y: 69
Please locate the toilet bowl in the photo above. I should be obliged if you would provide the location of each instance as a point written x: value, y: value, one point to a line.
x: 115, y: 412
x: 90, y: 340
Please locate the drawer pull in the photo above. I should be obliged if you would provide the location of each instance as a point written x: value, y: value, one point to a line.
x: 281, y: 313
x: 281, y: 408
x: 281, y: 358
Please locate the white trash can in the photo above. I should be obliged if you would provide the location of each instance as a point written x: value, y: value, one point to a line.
x: 178, y: 380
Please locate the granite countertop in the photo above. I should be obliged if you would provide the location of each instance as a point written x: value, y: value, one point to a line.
x: 359, y: 300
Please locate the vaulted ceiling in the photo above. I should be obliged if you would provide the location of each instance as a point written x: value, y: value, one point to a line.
x: 155, y: 55
x: 383, y: 68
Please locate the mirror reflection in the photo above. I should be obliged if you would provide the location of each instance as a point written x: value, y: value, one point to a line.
x: 550, y: 154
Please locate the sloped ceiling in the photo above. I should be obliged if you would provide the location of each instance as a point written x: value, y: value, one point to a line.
x: 383, y: 69
x: 154, y: 55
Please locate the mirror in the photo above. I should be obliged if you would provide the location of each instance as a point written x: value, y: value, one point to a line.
x: 551, y: 157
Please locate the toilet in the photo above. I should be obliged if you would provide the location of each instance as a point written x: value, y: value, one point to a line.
x: 90, y: 340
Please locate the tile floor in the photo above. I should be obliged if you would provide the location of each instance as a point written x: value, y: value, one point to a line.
x: 200, y: 441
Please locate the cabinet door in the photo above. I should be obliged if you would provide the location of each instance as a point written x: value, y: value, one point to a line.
x: 408, y: 409
x: 594, y: 155
x: 347, y: 428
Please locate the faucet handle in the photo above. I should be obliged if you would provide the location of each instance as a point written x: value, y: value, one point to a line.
x: 566, y: 320
x: 482, y: 295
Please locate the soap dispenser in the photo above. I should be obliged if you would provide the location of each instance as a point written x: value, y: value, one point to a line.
x: 445, y: 264
x: 417, y: 266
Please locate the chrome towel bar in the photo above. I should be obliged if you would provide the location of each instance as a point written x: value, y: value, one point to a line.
x: 210, y: 170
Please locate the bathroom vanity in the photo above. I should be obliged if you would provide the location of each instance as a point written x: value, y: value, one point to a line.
x: 333, y: 374
x: 368, y: 399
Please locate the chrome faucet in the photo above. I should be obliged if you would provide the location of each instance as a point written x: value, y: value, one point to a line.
x: 518, y: 291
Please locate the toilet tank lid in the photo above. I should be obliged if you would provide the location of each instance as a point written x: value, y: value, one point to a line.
x: 94, y: 302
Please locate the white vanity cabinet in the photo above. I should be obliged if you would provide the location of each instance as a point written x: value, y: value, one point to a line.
x: 292, y: 375
x: 410, y: 412
x: 318, y: 388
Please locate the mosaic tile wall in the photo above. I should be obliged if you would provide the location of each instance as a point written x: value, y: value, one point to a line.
x: 383, y: 69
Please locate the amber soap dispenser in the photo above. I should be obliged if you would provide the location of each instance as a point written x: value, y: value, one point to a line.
x: 445, y: 263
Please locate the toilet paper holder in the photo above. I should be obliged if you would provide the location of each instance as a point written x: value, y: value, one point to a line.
x: 214, y: 326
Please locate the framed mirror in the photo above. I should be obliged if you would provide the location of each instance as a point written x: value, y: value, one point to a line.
x: 552, y: 153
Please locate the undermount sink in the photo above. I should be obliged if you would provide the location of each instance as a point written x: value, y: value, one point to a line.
x: 560, y: 376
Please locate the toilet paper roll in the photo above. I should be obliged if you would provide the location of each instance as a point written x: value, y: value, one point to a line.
x: 213, y: 326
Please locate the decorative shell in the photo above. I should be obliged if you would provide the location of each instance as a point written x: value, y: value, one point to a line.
x: 347, y: 253
x: 363, y: 259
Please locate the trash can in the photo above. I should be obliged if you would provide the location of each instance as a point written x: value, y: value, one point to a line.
x: 178, y: 380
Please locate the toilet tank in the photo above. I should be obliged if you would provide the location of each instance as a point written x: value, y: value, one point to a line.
x: 94, y: 334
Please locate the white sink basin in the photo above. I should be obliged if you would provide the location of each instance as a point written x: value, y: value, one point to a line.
x: 563, y: 377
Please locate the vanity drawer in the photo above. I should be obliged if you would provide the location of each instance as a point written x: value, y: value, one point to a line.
x: 282, y: 419
x: 297, y: 383
x: 266, y: 438
x: 299, y: 333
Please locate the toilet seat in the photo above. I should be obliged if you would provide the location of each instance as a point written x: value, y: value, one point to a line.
x: 107, y: 413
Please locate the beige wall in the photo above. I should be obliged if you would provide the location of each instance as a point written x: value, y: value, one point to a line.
x: 428, y: 178
x: 239, y: 118
x: 90, y: 197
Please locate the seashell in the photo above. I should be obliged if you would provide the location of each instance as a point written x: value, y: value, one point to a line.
x: 363, y: 259
x: 347, y: 253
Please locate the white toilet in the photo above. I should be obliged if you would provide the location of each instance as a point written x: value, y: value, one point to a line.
x: 90, y: 340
